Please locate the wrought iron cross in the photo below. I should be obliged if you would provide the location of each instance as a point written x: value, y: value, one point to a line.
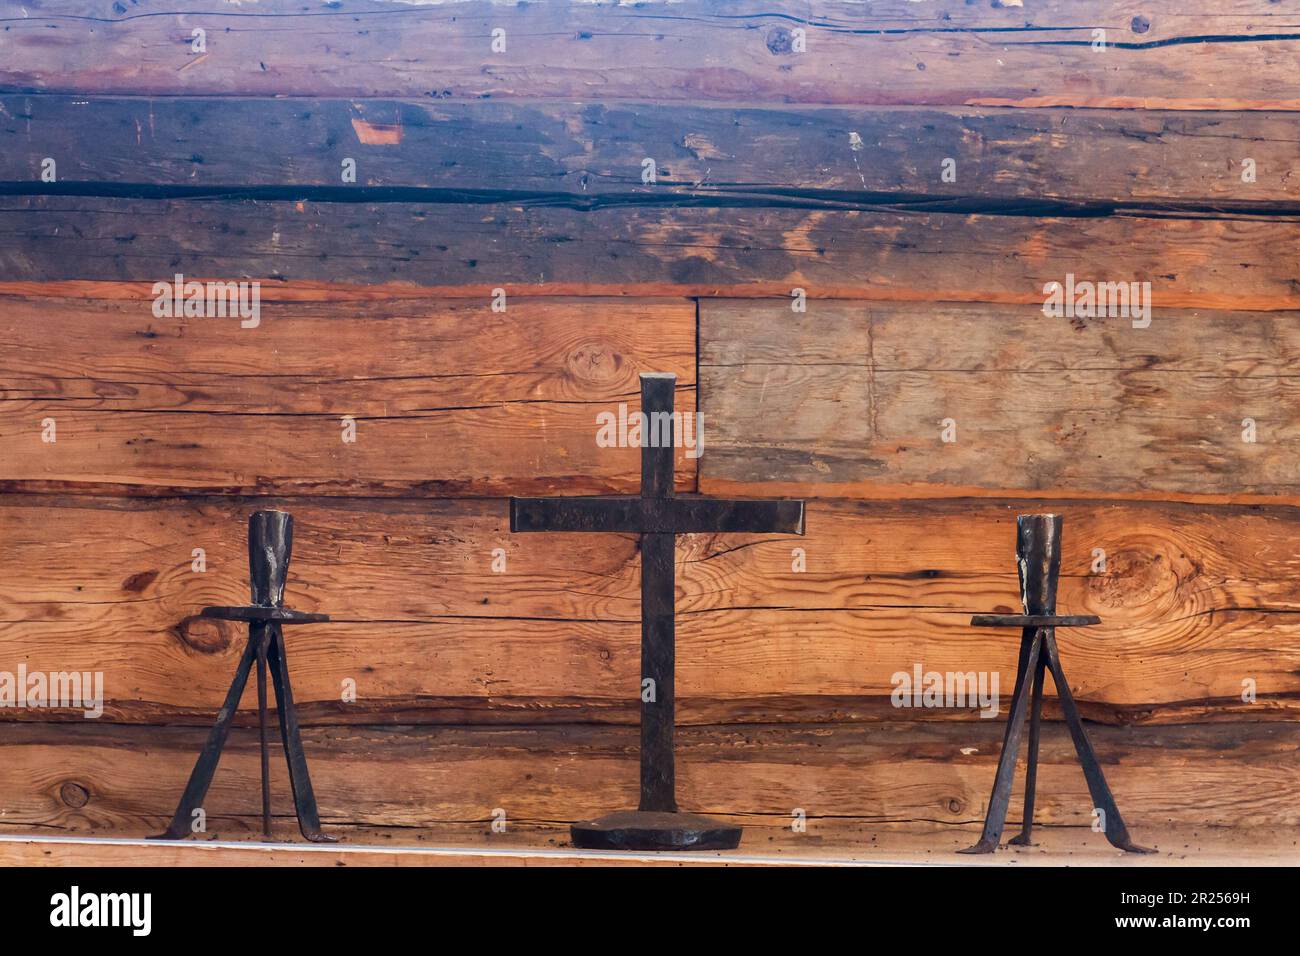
x: 270, y: 544
x: 658, y: 516
x: 1038, y: 557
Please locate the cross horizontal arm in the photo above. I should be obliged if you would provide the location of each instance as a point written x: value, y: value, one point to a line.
x: 683, y: 515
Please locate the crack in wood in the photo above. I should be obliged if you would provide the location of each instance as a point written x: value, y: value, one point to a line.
x: 676, y: 196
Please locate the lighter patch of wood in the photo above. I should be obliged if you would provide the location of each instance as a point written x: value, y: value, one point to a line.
x: 377, y: 134
x: 194, y: 62
x: 702, y: 147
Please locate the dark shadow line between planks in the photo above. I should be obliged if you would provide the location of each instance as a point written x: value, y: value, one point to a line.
x: 775, y: 198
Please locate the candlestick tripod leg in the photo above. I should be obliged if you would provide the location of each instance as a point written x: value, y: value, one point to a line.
x: 1102, y: 799
x: 206, y: 765
x: 1000, y: 799
x: 1031, y: 758
x: 304, y: 798
x: 263, y: 636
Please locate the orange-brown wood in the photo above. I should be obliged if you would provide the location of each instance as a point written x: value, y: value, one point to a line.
x: 824, y: 843
x: 1196, y: 602
x: 447, y: 398
x: 84, y: 779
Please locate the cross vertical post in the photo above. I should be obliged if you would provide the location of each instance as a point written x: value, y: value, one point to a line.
x: 658, y: 621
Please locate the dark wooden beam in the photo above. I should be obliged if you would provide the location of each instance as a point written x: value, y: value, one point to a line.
x: 856, y: 250
x: 592, y: 154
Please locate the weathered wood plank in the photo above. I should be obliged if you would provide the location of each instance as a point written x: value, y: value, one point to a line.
x: 1220, y: 262
x: 362, y: 851
x: 854, y: 399
x: 447, y: 397
x: 1195, y: 602
x: 444, y: 846
x: 826, y: 842
x: 122, y: 780
x: 1240, y: 54
x: 593, y: 153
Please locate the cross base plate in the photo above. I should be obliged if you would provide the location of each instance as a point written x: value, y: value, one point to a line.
x: 655, y: 830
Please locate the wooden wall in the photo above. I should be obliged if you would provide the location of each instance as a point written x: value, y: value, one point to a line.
x: 776, y: 169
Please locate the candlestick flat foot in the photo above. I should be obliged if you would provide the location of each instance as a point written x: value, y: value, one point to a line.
x: 984, y: 846
x: 655, y: 830
x: 1130, y: 847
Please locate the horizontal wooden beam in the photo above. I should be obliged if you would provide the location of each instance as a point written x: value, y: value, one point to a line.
x: 125, y: 780
x: 433, y: 624
x: 1238, y: 54
x: 593, y: 154
x: 925, y: 400
x: 444, y: 846
x: 824, y: 842
x: 857, y: 250
x: 447, y: 398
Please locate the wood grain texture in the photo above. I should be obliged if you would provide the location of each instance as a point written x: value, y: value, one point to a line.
x: 124, y: 780
x: 1218, y: 262
x: 449, y: 398
x: 591, y: 153
x: 462, y: 846
x: 521, y: 170
x: 856, y: 396
x: 1195, y: 601
x: 115, y: 852
x: 827, y: 842
x: 1240, y: 54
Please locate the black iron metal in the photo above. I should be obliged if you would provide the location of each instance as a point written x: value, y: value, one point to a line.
x: 261, y: 730
x: 655, y: 830
x: 658, y: 516
x: 270, y: 546
x: 1034, y: 620
x: 1038, y: 556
